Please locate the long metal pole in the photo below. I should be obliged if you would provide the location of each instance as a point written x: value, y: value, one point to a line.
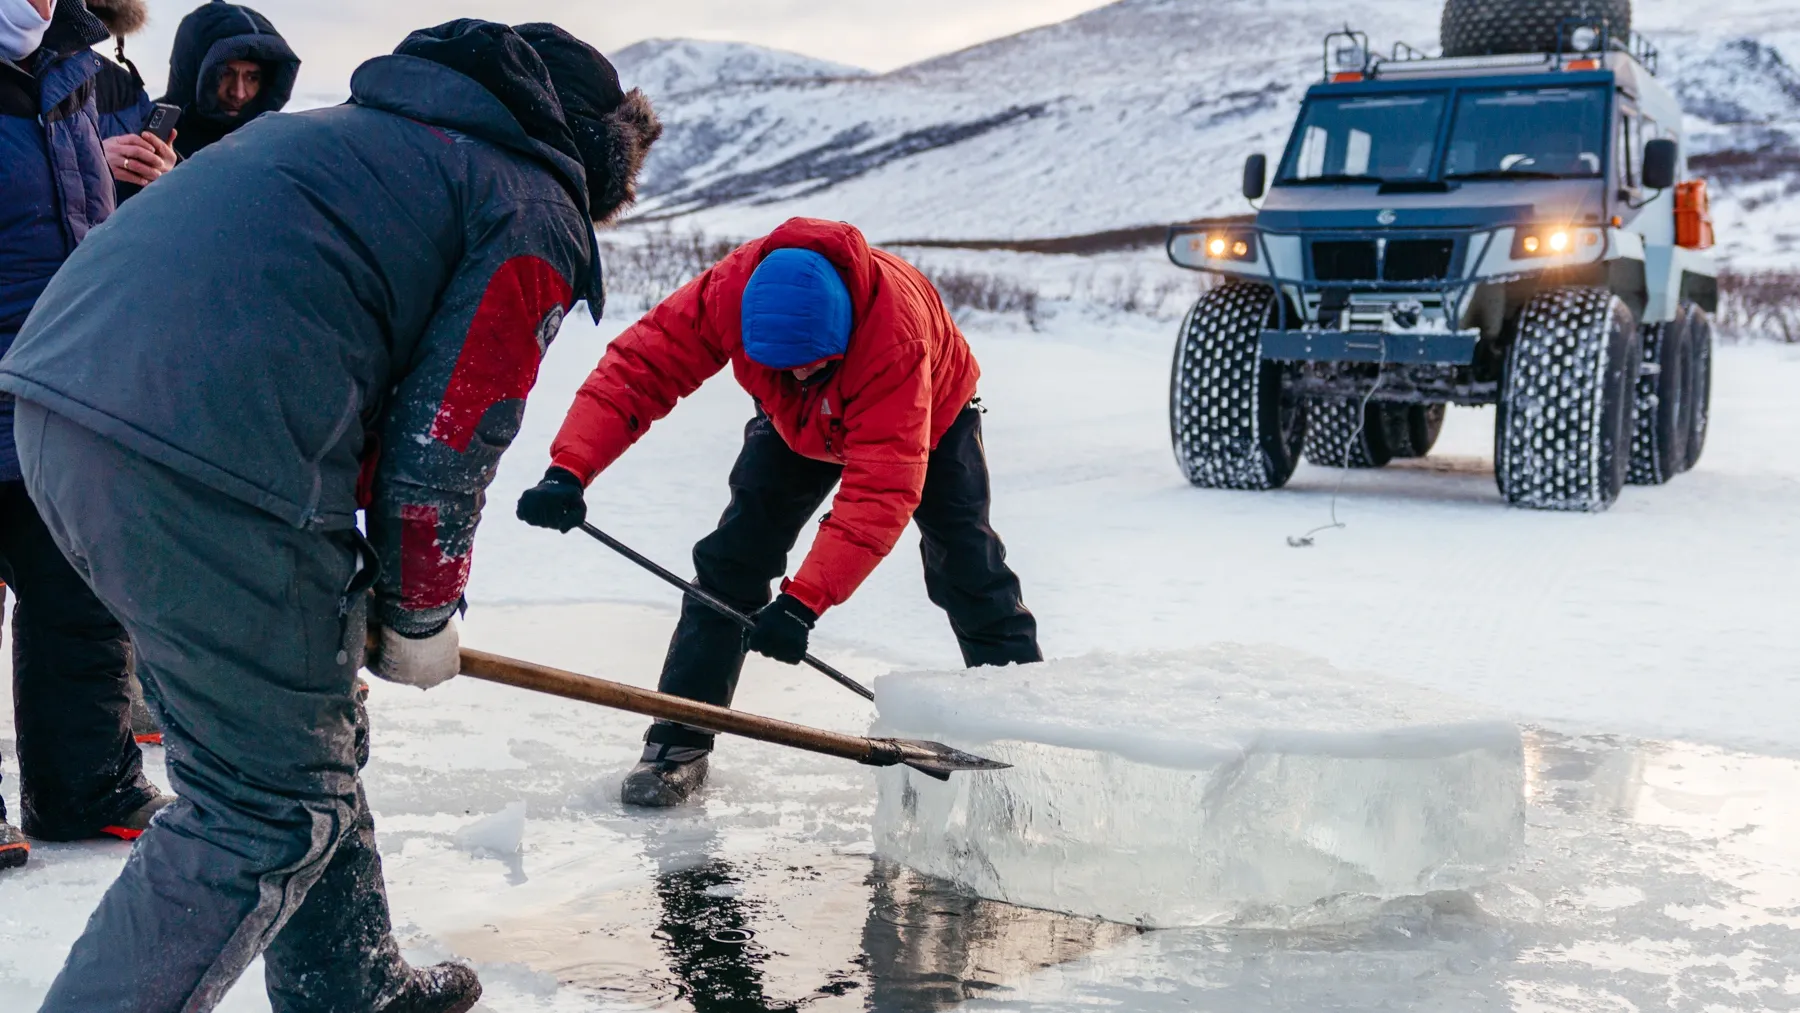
x: 715, y: 604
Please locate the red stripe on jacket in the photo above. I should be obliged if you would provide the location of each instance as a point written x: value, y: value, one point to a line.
x: 429, y: 577
x: 524, y: 301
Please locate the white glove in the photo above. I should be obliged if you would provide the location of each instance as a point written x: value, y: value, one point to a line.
x: 424, y: 663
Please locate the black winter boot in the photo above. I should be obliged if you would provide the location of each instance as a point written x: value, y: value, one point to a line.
x: 440, y: 988
x: 15, y: 850
x: 665, y: 777
x: 132, y: 826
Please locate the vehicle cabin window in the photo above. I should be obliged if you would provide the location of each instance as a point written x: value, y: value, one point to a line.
x: 1371, y: 139
x: 1552, y: 133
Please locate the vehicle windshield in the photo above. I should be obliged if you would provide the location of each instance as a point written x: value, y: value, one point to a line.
x: 1531, y: 132
x: 1369, y: 138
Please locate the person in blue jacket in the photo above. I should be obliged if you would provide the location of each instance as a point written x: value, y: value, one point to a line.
x: 354, y: 330
x: 81, y: 774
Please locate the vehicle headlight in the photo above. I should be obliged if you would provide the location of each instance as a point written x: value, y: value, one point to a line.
x: 1553, y: 241
x: 1224, y: 245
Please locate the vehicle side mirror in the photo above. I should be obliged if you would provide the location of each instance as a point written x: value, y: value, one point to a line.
x: 1660, y: 159
x: 1256, y: 175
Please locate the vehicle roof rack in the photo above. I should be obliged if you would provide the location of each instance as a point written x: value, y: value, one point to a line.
x: 1347, y: 56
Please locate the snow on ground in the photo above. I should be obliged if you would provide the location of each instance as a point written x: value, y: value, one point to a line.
x: 1666, y: 616
x: 1648, y: 650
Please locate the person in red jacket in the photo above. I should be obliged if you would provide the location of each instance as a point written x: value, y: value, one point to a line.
x: 861, y: 381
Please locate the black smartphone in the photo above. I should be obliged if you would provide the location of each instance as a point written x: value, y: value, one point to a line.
x: 162, y: 121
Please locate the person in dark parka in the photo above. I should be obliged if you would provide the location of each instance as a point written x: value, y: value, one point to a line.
x: 212, y: 38
x: 80, y: 772
x: 365, y: 338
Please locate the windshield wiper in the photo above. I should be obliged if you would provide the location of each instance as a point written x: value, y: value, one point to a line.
x: 1508, y: 174
x: 1332, y: 177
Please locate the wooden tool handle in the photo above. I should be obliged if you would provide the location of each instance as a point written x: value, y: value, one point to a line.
x: 588, y: 689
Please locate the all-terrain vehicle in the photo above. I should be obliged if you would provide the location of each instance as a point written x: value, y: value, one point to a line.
x: 1508, y: 223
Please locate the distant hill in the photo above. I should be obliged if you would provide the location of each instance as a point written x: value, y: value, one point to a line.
x: 668, y: 68
x: 1135, y: 113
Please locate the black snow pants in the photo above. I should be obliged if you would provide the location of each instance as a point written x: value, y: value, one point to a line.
x: 249, y: 659
x: 79, y: 768
x: 774, y: 491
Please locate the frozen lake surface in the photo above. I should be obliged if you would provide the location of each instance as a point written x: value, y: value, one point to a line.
x: 1647, y: 653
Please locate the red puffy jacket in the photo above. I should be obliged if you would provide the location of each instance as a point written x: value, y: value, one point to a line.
x: 906, y: 375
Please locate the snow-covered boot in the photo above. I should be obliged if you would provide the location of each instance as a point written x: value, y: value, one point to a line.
x: 143, y: 724
x: 14, y: 848
x: 440, y: 988
x: 137, y: 821
x: 665, y: 777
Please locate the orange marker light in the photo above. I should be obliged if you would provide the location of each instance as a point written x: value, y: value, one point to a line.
x: 1530, y: 244
x: 1346, y: 76
x: 1240, y: 248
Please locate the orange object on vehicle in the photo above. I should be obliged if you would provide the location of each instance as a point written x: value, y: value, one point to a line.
x: 1693, y: 215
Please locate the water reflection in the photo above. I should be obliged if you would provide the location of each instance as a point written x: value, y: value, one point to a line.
x: 931, y: 948
x: 1654, y: 875
x: 711, y: 948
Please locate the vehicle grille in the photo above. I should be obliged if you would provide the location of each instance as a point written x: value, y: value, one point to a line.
x: 1417, y: 259
x: 1401, y: 260
x: 1344, y: 259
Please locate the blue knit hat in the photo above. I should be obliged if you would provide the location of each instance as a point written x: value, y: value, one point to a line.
x: 796, y: 311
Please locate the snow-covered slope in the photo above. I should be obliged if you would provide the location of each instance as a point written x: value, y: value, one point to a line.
x: 665, y: 68
x: 1134, y: 113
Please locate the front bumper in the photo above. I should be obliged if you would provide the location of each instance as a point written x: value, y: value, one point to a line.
x: 1455, y: 348
x: 1375, y: 317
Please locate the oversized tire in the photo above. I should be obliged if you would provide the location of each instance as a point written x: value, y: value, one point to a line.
x: 1345, y: 434
x: 1699, y: 375
x: 1485, y: 27
x: 1660, y: 433
x: 1562, y: 435
x: 1232, y: 420
x: 1412, y: 429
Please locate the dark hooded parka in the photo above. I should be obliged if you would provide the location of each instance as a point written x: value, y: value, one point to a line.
x: 211, y: 36
x: 360, y: 325
x: 357, y: 327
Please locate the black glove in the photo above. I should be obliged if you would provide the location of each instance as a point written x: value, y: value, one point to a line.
x: 781, y: 629
x: 554, y: 502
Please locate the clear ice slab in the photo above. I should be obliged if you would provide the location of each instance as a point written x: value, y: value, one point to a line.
x: 1220, y: 785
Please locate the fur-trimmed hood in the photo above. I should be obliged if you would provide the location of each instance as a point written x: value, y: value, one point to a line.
x: 121, y: 17
x: 630, y: 130
x: 563, y: 93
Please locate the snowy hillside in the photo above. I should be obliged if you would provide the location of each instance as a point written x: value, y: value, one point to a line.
x: 667, y: 68
x: 1135, y: 113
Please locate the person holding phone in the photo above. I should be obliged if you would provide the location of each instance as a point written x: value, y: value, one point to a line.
x: 136, y: 133
x: 81, y: 773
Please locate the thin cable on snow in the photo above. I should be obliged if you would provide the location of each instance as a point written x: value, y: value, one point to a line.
x: 1362, y: 423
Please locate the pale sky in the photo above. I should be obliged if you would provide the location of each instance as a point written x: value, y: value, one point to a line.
x: 333, y: 36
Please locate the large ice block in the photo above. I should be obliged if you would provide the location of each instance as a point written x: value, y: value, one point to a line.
x: 1223, y: 784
